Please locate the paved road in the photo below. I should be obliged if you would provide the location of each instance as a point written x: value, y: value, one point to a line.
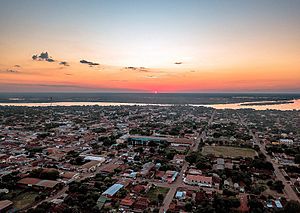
x: 179, y: 181
x: 173, y: 188
x: 203, y: 134
x: 288, y: 191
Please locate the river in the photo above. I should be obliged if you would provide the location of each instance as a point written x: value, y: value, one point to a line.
x: 286, y: 106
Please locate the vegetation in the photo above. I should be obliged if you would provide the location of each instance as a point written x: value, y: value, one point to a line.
x: 44, y: 174
x: 228, y: 151
x: 157, y: 194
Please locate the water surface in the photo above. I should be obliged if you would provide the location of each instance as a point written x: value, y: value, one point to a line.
x: 286, y: 106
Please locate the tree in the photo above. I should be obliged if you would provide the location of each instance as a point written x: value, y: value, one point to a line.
x: 255, y: 206
x: 188, y: 207
x: 160, y: 198
x: 191, y: 158
x: 297, y: 158
x: 50, y: 175
x: 292, y: 206
x: 278, y: 186
x: 152, y: 150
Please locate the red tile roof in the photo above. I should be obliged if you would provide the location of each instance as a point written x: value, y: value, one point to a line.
x: 4, y: 204
x: 127, y: 201
x: 199, y: 178
x: 27, y: 181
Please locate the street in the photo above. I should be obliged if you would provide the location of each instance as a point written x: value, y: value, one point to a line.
x: 288, y: 191
x: 179, y: 180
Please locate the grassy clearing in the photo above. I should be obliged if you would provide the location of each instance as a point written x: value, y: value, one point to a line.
x: 24, y: 199
x: 155, y: 191
x: 228, y: 151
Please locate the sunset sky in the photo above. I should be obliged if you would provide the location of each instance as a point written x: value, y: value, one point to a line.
x: 150, y: 46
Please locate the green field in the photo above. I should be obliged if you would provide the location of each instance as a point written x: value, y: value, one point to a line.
x: 228, y: 151
x: 24, y: 199
x: 155, y: 191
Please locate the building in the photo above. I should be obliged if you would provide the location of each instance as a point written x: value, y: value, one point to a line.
x: 142, y: 203
x: 288, y: 142
x: 5, y: 205
x: 180, y: 195
x: 178, y: 159
x: 147, y: 167
x: 111, y: 191
x: 170, y: 176
x: 37, y: 183
x: 94, y: 158
x: 199, y: 180
x: 109, y: 169
x: 91, y: 166
x: 146, y: 140
x: 127, y: 202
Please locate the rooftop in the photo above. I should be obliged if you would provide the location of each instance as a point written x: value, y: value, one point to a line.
x: 111, y: 191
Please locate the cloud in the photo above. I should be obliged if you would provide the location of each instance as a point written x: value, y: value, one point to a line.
x: 118, y: 80
x: 89, y: 63
x: 9, y: 71
x: 44, y: 56
x: 64, y: 63
x: 139, y: 69
x: 151, y: 76
x: 68, y: 74
x: 50, y: 60
x: 178, y: 63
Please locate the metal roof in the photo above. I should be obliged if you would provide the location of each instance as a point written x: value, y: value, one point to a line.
x: 113, y: 189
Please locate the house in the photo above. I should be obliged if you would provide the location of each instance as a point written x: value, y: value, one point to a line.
x: 90, y: 166
x: 199, y: 180
x: 178, y: 159
x: 127, y: 202
x: 109, y: 169
x: 278, y: 204
x: 69, y: 175
x: 130, y: 175
x: 138, y: 189
x: 142, y: 203
x: 288, y: 142
x: 147, y: 167
x: 5, y: 205
x: 180, y: 195
x: 28, y: 182
x: 170, y: 176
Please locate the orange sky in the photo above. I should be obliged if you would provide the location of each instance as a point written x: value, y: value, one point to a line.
x: 170, y: 47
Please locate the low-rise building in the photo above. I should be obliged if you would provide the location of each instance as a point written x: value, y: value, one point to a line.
x: 199, y: 180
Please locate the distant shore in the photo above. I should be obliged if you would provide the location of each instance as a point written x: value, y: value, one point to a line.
x: 151, y: 98
x: 267, y: 103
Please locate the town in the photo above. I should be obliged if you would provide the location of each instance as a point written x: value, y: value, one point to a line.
x: 148, y: 158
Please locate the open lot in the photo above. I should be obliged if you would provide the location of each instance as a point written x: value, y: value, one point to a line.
x: 228, y: 151
x: 24, y: 199
x: 155, y: 191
